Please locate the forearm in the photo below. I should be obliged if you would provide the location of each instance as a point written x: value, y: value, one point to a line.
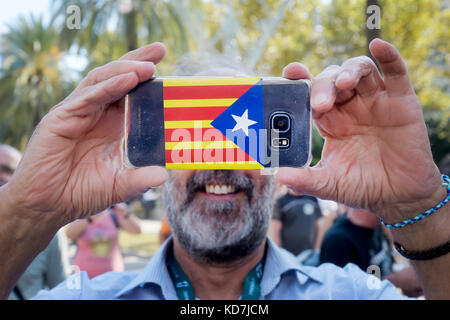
x: 424, y: 235
x: 23, y: 234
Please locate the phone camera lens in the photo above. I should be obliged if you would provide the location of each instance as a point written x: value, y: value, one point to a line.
x: 281, y: 122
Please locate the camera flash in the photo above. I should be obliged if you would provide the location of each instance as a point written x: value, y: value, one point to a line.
x: 280, y: 142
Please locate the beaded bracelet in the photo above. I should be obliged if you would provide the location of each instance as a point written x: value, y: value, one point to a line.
x: 427, y: 213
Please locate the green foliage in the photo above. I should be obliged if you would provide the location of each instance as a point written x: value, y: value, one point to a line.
x: 136, y: 22
x: 31, y: 79
x: 110, y: 28
x: 264, y: 34
x: 319, y: 35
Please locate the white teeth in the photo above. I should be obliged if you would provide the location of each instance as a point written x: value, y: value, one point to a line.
x: 219, y: 189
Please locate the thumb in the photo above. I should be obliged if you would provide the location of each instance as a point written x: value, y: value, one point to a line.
x: 137, y: 180
x: 311, y: 181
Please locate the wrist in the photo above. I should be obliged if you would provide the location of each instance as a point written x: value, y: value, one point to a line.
x: 21, y: 223
x: 426, y: 220
x: 431, y: 193
x: 21, y: 239
x: 427, y: 233
x: 429, y: 202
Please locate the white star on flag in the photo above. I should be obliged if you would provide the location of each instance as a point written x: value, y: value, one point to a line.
x: 242, y: 122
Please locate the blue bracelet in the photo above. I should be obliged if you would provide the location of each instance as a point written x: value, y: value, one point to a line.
x: 427, y: 213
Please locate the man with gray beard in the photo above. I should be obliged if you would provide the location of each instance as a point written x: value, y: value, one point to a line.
x: 219, y: 220
x: 228, y: 225
x: 376, y: 156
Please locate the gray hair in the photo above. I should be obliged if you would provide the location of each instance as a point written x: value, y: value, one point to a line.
x: 207, y: 64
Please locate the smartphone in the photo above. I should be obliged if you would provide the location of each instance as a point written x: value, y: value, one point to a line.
x: 218, y: 123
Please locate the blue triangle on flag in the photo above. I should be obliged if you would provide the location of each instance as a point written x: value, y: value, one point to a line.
x: 242, y: 121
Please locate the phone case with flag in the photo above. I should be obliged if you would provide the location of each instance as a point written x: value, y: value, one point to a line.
x: 218, y: 123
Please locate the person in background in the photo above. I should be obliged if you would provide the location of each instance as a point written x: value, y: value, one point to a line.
x: 51, y: 266
x: 97, y: 239
x: 330, y: 212
x: 357, y: 237
x: 294, y: 222
x: 48, y: 269
x: 9, y: 160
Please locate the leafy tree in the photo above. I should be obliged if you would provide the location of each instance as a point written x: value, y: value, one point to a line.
x: 133, y: 22
x: 31, y: 78
x: 264, y: 35
x: 320, y: 34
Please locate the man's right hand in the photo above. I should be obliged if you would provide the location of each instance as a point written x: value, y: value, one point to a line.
x: 376, y: 153
x: 73, y: 165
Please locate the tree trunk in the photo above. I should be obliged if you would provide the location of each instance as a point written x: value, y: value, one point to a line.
x: 131, y: 30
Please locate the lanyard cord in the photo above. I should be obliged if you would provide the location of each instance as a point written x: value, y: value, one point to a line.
x: 185, y: 291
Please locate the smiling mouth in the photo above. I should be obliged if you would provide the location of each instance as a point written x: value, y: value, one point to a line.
x: 218, y: 185
x: 220, y: 189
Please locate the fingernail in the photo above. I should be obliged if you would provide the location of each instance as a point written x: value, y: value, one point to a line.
x: 319, y: 99
x: 343, y: 76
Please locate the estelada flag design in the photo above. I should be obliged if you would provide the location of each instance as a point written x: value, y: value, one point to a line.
x: 213, y: 123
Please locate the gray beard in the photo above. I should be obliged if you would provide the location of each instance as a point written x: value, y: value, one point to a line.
x: 208, y: 233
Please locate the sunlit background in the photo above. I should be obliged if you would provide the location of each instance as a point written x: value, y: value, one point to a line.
x: 42, y: 60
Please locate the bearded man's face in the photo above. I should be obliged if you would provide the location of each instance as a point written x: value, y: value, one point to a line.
x: 219, y: 215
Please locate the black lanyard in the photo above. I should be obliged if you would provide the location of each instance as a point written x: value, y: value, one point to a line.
x: 185, y: 291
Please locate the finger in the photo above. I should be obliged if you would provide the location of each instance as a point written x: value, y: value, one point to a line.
x: 141, y: 60
x: 95, y: 97
x: 143, y: 69
x: 323, y: 90
x: 394, y: 68
x: 296, y: 70
x: 113, y: 89
x: 138, y: 180
x: 343, y: 96
x: 312, y: 181
x: 153, y: 52
x: 361, y: 74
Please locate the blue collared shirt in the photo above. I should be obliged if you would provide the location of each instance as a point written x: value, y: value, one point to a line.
x: 283, y: 279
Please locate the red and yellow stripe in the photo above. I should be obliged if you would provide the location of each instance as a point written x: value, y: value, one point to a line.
x: 190, y: 105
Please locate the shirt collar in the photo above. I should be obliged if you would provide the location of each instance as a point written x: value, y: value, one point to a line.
x: 155, y: 272
x: 278, y: 262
